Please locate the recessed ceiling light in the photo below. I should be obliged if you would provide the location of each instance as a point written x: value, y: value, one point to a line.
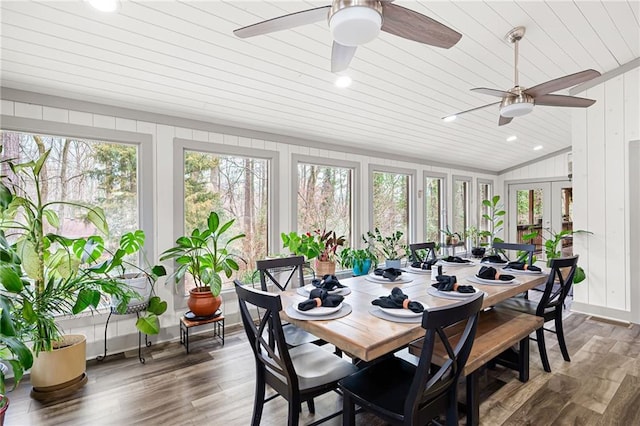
x: 449, y: 118
x: 105, y: 5
x: 343, y: 81
x: 537, y: 147
x: 512, y: 138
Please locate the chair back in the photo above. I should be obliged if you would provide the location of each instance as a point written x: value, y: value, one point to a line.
x: 292, y: 265
x: 431, y: 390
x: 415, y: 254
x: 553, y: 296
x: 529, y: 248
x: 267, y: 337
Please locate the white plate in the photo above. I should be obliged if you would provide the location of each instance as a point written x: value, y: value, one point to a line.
x: 319, y: 311
x: 457, y: 293
x: 413, y: 270
x: 493, y: 263
x: 404, y: 313
x: 380, y: 279
x: 518, y: 271
x: 445, y: 263
x: 486, y: 281
x: 310, y: 287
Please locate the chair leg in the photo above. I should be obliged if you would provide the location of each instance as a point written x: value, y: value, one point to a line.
x: 560, y: 334
x: 294, y: 411
x: 311, y: 405
x: 258, y: 403
x: 348, y: 410
x: 543, y: 349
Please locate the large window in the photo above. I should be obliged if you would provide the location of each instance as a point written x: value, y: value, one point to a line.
x: 433, y: 207
x: 461, y: 197
x: 390, y: 203
x: 485, y: 192
x: 324, y: 199
x: 236, y: 187
x: 82, y: 171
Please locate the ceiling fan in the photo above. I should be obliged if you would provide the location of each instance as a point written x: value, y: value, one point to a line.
x: 356, y: 22
x: 519, y: 100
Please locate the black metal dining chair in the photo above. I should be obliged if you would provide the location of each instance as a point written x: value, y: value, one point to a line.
x: 292, y: 269
x: 551, y: 305
x: 416, y: 250
x: 297, y: 374
x: 405, y: 394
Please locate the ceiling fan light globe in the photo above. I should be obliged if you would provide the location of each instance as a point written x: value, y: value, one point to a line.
x: 516, y: 110
x: 356, y: 25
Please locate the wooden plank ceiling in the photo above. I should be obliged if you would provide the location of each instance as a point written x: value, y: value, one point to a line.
x: 181, y: 58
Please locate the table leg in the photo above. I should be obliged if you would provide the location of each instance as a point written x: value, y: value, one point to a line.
x: 473, y: 399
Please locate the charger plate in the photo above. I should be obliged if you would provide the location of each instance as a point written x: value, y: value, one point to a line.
x: 293, y: 313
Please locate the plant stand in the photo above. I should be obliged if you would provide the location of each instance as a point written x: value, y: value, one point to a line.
x: 186, y: 323
x: 132, y: 309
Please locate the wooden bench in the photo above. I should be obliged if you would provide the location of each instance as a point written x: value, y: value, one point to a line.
x: 498, y: 330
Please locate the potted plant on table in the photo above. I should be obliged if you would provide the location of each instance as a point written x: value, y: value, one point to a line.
x: 360, y: 260
x: 48, y: 277
x: 205, y: 254
x: 495, y: 220
x: 475, y: 236
x: 390, y: 246
x: 319, y: 245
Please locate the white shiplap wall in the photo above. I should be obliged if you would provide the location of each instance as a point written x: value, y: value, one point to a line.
x: 122, y: 331
x: 600, y: 137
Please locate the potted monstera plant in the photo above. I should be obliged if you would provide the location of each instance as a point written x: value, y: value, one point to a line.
x: 50, y: 276
x: 205, y: 255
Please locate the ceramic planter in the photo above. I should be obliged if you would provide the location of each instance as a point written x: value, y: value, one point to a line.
x: 361, y: 268
x: 392, y: 263
x: 202, y: 303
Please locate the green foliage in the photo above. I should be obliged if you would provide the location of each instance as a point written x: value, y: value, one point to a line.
x: 450, y: 237
x: 53, y: 269
x: 355, y: 258
x: 553, y: 246
x: 12, y: 350
x: 321, y: 244
x: 390, y: 246
x: 495, y: 219
x: 205, y: 255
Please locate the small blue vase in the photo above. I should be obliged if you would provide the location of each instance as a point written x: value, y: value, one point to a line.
x: 362, y: 268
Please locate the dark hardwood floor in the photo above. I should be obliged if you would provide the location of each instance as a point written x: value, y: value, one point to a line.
x: 214, y: 386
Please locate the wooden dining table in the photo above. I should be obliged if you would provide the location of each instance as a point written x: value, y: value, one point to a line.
x: 367, y: 337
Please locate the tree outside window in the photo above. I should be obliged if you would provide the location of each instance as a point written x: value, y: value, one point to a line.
x: 433, y: 199
x: 391, y: 203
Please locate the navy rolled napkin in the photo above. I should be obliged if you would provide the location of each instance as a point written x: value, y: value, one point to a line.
x: 494, y: 258
x: 389, y: 273
x: 398, y: 300
x: 426, y: 265
x: 450, y: 283
x: 455, y: 259
x: 328, y: 282
x: 320, y: 297
x: 490, y: 273
x: 521, y: 266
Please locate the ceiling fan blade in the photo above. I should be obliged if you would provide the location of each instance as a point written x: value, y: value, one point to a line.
x: 564, y: 101
x: 561, y: 83
x: 504, y: 120
x: 473, y: 109
x: 341, y: 56
x: 492, y: 92
x: 415, y: 26
x: 284, y: 22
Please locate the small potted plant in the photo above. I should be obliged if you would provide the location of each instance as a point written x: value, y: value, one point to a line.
x: 205, y: 255
x: 319, y: 245
x: 360, y: 260
x: 475, y: 236
x: 390, y: 246
x: 450, y: 238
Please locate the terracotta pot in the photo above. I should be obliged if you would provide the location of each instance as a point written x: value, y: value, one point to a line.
x: 62, y: 370
x: 4, y: 405
x: 202, y: 303
x: 325, y: 268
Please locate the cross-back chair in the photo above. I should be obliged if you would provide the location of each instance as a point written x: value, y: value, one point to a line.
x: 297, y: 374
x: 551, y: 304
x: 405, y: 394
x: 415, y: 250
x: 517, y: 247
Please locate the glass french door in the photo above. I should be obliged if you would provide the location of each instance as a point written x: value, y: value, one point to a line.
x: 542, y: 207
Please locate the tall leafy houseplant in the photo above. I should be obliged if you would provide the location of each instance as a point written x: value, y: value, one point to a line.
x: 495, y: 219
x: 53, y: 277
x: 321, y: 245
x: 205, y: 255
x: 390, y: 247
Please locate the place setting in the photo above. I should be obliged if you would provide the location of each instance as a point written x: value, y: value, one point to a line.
x: 447, y: 287
x: 424, y: 267
x: 455, y: 261
x: 493, y: 260
x: 397, y: 307
x: 387, y: 276
x: 522, y: 268
x: 329, y: 283
x: 319, y: 306
x: 491, y: 276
